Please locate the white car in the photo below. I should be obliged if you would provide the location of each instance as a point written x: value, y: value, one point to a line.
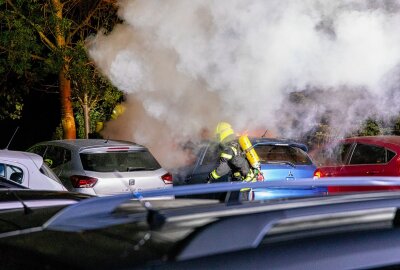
x: 28, y: 170
x: 103, y: 167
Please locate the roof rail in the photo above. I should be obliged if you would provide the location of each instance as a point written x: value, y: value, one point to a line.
x: 82, y: 216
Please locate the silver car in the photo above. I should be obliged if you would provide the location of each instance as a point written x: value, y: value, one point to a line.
x: 29, y: 170
x: 103, y: 167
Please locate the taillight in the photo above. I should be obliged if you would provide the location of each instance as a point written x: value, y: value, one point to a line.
x: 81, y: 181
x: 317, y: 174
x: 167, y: 178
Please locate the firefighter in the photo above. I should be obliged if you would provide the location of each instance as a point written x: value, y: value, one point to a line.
x: 232, y: 159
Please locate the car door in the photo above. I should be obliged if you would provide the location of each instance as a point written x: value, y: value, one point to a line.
x: 207, y: 161
x: 59, y: 160
x: 337, y: 159
x: 367, y: 160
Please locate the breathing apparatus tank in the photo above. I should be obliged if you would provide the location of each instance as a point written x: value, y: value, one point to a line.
x: 250, y: 152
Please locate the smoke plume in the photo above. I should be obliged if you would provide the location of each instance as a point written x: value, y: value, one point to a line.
x: 185, y: 65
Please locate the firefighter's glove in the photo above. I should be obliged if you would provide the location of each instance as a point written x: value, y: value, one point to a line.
x: 250, y: 177
x: 212, y: 176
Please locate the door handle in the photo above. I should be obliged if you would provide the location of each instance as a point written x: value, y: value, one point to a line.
x: 372, y: 172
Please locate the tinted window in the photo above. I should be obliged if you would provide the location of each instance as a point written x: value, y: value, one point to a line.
x: 212, y: 154
x: 368, y: 154
x: 389, y: 155
x: 56, y: 156
x: 2, y: 170
x: 119, y: 161
x: 275, y: 153
x: 38, y: 149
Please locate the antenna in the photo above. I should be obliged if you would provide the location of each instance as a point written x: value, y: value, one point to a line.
x: 12, y: 138
x: 265, y: 133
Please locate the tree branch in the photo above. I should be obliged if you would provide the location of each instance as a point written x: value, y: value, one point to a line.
x: 42, y: 36
x: 85, y: 21
x: 33, y: 56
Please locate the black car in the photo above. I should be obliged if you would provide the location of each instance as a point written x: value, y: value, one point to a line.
x: 348, y: 231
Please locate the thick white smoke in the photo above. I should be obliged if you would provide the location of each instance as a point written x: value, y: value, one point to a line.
x: 185, y: 65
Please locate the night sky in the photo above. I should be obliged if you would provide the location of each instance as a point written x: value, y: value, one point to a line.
x: 41, y: 116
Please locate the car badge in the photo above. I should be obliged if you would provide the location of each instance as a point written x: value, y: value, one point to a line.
x: 131, y: 182
x: 290, y: 174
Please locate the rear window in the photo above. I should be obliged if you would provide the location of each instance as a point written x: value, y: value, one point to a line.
x: 119, y: 161
x: 278, y: 153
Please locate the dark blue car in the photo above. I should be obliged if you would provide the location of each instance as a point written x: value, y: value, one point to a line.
x: 280, y: 160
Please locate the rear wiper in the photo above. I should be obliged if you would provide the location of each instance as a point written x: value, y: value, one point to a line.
x: 131, y: 169
x: 282, y: 161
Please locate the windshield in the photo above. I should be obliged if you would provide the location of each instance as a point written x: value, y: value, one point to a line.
x: 279, y: 153
x: 119, y: 161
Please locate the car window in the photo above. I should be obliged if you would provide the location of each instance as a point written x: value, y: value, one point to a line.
x: 13, y: 173
x: 56, y: 156
x: 119, y: 161
x: 2, y: 170
x: 38, y: 149
x: 337, y: 155
x: 389, y: 155
x: 272, y: 153
x: 212, y: 154
x: 368, y: 154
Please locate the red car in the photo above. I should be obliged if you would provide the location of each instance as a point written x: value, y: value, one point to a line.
x: 363, y: 156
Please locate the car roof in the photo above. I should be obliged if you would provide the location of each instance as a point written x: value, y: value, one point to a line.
x: 81, y: 144
x: 268, y: 141
x: 185, y: 230
x: 389, y: 141
x: 21, y: 157
x: 375, y: 139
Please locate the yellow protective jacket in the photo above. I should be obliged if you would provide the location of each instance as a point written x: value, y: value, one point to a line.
x: 232, y: 160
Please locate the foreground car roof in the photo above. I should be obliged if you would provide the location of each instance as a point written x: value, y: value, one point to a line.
x: 116, y: 233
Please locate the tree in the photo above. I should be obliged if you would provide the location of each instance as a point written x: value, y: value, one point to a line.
x: 43, y: 39
x: 370, y: 127
x: 94, y: 97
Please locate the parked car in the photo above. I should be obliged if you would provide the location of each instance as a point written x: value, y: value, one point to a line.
x: 116, y: 232
x: 362, y: 156
x: 29, y: 170
x: 280, y: 160
x: 103, y: 167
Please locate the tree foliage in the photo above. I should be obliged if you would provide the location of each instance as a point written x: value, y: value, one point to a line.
x: 42, y: 48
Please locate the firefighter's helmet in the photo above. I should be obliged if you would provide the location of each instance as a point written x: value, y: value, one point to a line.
x: 223, y: 130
